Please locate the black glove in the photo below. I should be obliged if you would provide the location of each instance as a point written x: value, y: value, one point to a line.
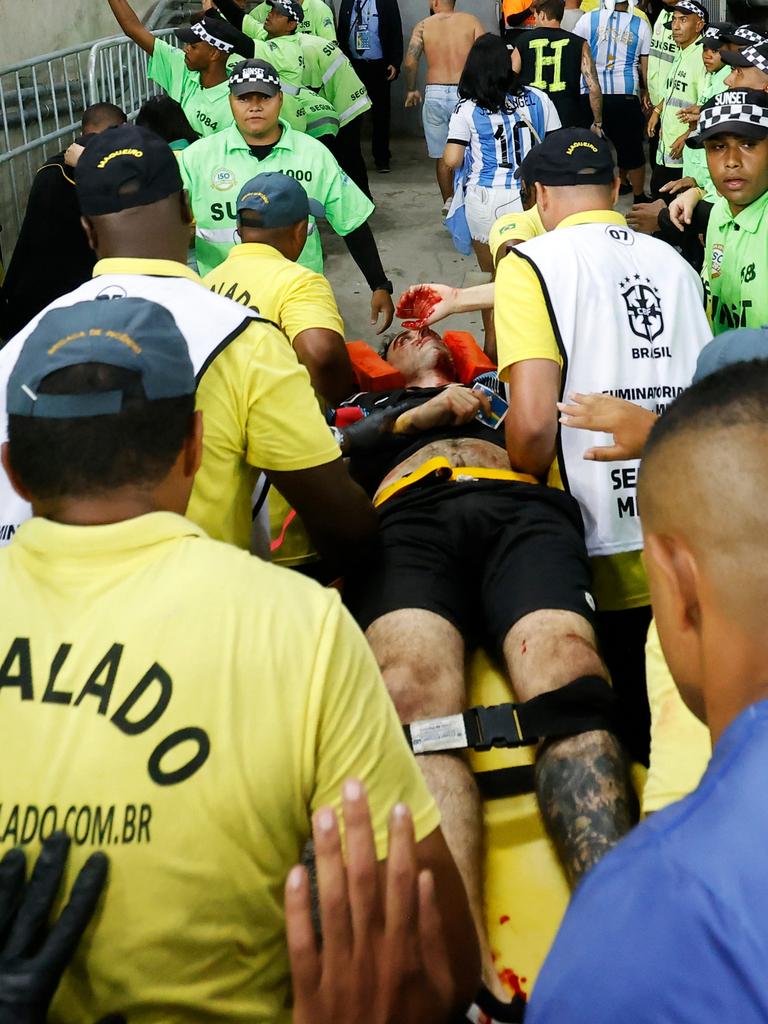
x: 373, y: 431
x: 33, y: 959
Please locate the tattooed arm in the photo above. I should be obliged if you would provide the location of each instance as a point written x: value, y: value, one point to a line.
x: 411, y: 65
x: 589, y: 72
x: 586, y: 798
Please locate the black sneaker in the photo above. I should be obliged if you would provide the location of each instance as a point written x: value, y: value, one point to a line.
x: 625, y: 189
x: 382, y: 168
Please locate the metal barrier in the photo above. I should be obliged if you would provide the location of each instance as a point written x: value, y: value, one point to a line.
x: 41, y: 106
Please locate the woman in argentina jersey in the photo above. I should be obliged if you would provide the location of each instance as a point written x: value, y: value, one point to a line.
x: 496, y: 123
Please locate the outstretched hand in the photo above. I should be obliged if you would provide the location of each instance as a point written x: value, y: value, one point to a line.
x: 382, y: 305
x: 425, y: 304
x: 383, y: 958
x: 629, y: 424
x: 30, y: 966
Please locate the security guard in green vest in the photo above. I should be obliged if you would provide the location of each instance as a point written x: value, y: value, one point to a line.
x: 214, y: 170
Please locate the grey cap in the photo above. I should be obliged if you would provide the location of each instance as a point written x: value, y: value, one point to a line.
x: 130, y: 333
x: 739, y: 346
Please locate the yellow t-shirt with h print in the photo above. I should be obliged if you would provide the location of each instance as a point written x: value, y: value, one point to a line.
x: 259, y: 412
x: 524, y: 331
x: 184, y: 707
x: 291, y: 296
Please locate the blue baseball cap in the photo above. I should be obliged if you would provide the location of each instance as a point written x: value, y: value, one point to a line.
x: 739, y: 346
x: 275, y: 200
x: 131, y: 333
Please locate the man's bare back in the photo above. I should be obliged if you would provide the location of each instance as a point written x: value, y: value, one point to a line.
x: 447, y: 38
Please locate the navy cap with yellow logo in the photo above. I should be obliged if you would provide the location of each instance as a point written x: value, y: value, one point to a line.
x: 274, y: 200
x: 130, y: 333
x: 569, y: 156
x: 124, y: 167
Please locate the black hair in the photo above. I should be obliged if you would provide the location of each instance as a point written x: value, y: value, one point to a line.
x: 58, y: 458
x: 553, y: 9
x: 488, y: 77
x: 737, y: 395
x: 102, y: 115
x: 165, y: 117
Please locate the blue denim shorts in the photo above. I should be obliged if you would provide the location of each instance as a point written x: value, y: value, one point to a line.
x: 439, y: 103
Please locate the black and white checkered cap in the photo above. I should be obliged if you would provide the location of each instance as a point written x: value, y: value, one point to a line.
x: 254, y: 76
x: 738, y: 112
x: 714, y: 35
x: 748, y: 57
x: 199, y: 29
x: 219, y: 34
x: 692, y: 7
x: 748, y: 34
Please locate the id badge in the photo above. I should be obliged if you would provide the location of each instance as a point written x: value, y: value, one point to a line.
x: 498, y: 407
x: 362, y: 39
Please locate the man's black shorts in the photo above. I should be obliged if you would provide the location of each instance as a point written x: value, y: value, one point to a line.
x: 624, y: 125
x: 481, y: 555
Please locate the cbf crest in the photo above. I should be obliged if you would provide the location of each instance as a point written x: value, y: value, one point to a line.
x: 643, y: 304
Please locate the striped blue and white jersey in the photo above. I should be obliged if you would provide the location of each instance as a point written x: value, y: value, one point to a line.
x: 499, y: 142
x: 617, y: 39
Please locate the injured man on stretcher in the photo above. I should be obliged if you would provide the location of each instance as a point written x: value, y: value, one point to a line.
x: 472, y: 553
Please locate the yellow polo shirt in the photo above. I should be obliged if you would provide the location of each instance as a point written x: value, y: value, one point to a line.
x: 524, y: 331
x: 680, y: 744
x: 291, y: 296
x: 259, y: 412
x: 184, y: 707
x: 521, y: 226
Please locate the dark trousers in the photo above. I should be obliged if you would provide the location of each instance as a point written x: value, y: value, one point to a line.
x: 373, y: 75
x: 346, y: 148
x: 621, y: 636
x: 662, y: 175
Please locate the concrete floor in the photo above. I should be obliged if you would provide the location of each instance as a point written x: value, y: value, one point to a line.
x: 414, y: 245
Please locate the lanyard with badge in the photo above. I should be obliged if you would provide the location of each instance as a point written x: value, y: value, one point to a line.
x: 362, y: 32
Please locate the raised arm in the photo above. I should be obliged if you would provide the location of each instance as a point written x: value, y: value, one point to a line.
x: 411, y: 65
x: 231, y: 10
x: 589, y: 74
x: 131, y: 24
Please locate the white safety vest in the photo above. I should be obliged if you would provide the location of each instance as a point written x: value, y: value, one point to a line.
x: 208, y: 322
x: 628, y: 315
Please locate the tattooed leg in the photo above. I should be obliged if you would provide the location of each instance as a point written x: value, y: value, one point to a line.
x: 582, y: 782
x: 586, y: 798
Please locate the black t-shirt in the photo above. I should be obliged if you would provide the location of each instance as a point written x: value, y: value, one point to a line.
x: 370, y: 468
x: 551, y: 61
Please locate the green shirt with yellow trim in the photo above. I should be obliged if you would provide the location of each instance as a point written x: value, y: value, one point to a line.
x: 318, y: 20
x: 684, y: 86
x: 215, y: 169
x: 735, y: 271
x: 663, y: 50
x: 524, y: 331
x: 207, y: 110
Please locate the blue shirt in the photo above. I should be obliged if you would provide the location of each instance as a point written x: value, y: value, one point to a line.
x: 672, y: 926
x: 365, y: 19
x: 618, y: 40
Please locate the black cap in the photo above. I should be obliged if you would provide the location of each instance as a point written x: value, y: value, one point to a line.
x: 569, y: 156
x: 217, y: 33
x: 748, y: 57
x: 289, y: 8
x: 736, y: 112
x: 692, y: 7
x: 747, y: 35
x: 254, y: 76
x: 124, y: 167
x: 715, y: 34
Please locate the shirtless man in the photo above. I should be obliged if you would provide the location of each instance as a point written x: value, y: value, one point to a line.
x: 499, y: 561
x: 445, y: 39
